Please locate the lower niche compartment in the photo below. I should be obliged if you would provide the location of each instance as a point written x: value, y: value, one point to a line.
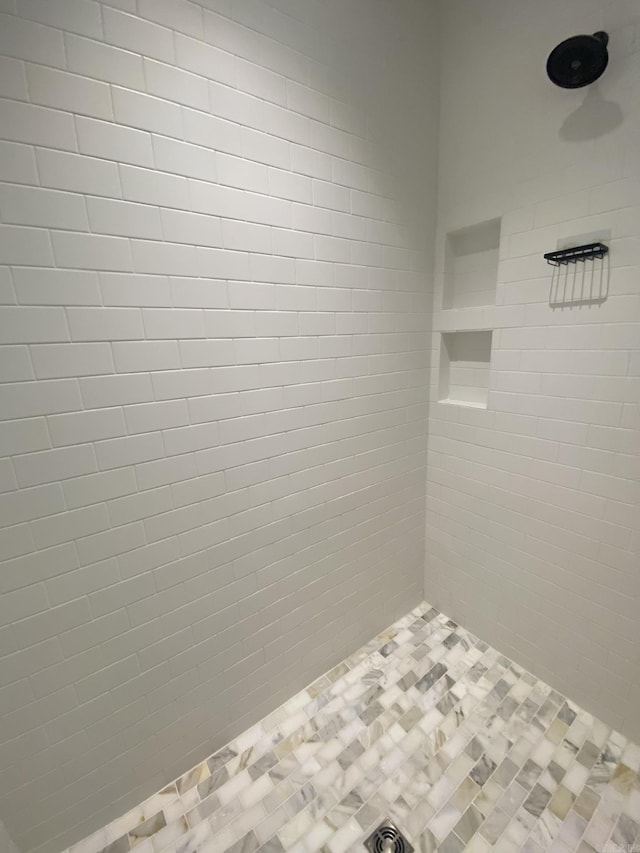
x: 465, y: 359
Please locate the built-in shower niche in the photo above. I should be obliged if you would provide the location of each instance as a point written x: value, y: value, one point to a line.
x: 471, y: 265
x: 465, y: 359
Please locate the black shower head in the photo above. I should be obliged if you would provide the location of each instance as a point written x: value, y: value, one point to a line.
x: 578, y: 61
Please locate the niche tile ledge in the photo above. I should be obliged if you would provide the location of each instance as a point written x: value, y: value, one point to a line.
x: 464, y: 403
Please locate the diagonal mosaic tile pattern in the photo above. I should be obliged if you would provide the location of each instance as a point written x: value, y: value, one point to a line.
x: 426, y: 725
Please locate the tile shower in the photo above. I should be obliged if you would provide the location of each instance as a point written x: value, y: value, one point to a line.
x: 281, y: 356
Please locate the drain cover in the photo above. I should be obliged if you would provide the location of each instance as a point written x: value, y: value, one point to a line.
x: 387, y: 838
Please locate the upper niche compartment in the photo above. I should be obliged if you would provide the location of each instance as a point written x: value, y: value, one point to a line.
x: 471, y: 265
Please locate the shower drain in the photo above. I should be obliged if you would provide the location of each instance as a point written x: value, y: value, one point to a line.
x: 387, y: 838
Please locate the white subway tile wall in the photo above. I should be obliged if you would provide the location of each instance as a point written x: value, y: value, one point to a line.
x: 7, y: 842
x: 533, y: 538
x: 217, y: 222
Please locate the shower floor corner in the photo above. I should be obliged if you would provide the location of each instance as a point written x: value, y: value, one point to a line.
x: 426, y: 725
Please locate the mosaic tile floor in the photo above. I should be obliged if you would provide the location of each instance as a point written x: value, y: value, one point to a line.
x: 426, y: 725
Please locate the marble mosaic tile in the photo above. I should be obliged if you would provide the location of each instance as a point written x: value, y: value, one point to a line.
x: 425, y: 725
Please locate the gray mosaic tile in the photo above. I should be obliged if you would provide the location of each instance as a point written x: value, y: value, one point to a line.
x: 220, y: 758
x: 505, y: 773
x: 529, y: 774
x: 425, y: 725
x: 147, y: 828
x: 483, y: 769
x: 626, y: 832
x: 262, y: 765
x: 494, y: 825
x: 469, y: 824
x: 213, y: 782
x: 272, y: 846
x: 537, y: 800
x: 247, y: 844
x: 451, y: 844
